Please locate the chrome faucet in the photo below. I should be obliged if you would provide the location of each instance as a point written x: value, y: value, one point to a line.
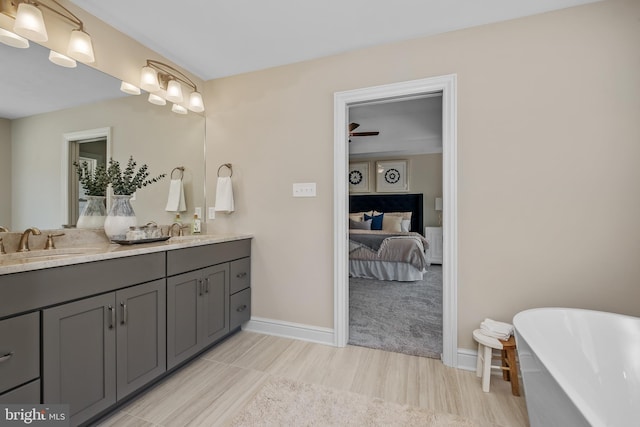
x: 23, y: 246
x: 3, y: 229
x: 180, y: 228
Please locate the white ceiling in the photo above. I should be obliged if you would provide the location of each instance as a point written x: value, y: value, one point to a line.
x: 217, y: 38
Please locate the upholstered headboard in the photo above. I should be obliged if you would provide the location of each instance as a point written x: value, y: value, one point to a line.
x: 391, y: 203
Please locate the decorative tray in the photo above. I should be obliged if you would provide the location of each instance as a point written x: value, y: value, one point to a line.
x: 138, y: 241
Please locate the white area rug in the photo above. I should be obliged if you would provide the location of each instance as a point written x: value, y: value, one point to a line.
x: 283, y: 402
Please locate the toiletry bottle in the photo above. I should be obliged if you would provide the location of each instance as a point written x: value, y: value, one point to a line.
x: 178, y: 219
x: 196, y: 225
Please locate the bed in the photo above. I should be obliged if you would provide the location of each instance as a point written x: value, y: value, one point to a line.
x: 385, y: 237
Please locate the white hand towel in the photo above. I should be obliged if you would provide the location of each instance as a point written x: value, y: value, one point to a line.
x: 496, y: 329
x: 175, y: 201
x: 224, y: 195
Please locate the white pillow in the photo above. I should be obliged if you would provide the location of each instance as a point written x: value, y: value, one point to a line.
x: 405, y: 225
x: 392, y: 224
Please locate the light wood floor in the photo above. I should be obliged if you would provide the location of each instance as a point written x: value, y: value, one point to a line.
x: 212, y: 389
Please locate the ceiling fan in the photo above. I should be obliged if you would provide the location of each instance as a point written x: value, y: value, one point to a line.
x: 353, y: 126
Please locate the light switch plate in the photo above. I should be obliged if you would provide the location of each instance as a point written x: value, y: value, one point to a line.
x: 304, y: 189
x: 212, y: 213
x: 198, y: 211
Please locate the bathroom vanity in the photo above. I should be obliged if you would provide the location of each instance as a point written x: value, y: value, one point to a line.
x: 91, y: 330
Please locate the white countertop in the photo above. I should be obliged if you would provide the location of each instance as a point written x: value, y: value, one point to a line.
x: 104, y: 250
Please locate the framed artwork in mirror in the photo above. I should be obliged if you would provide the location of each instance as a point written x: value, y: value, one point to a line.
x: 359, y: 177
x: 392, y: 176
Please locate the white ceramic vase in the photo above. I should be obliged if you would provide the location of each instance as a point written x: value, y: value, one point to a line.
x: 93, y: 214
x: 121, y: 216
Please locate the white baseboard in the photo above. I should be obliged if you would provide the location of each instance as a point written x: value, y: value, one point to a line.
x: 467, y: 359
x: 280, y: 328
x: 285, y: 329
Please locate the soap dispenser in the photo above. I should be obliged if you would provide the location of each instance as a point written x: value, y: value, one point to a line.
x: 196, y: 225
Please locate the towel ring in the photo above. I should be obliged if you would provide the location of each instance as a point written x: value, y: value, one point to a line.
x: 179, y: 169
x: 227, y: 165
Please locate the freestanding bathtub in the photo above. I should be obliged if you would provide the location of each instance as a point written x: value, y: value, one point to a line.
x: 579, y: 367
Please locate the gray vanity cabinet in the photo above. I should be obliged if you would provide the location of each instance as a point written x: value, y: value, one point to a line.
x: 98, y: 350
x: 79, y: 356
x: 197, y: 311
x: 20, y: 359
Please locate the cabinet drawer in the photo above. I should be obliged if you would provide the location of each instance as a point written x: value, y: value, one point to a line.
x: 28, y: 393
x: 19, y: 350
x: 240, y: 272
x: 240, y: 308
x: 196, y: 257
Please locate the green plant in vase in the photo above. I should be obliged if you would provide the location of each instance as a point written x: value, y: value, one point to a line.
x: 94, y: 183
x: 124, y: 183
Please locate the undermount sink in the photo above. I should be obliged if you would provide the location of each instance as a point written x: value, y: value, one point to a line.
x: 46, y: 254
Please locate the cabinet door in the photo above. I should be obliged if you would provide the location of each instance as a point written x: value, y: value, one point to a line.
x: 79, y: 350
x: 141, y: 335
x: 214, y: 317
x: 183, y: 298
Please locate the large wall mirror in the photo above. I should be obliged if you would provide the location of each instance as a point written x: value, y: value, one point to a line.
x: 36, y: 177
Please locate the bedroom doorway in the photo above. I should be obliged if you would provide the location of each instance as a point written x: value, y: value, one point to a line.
x: 395, y: 296
x: 406, y: 90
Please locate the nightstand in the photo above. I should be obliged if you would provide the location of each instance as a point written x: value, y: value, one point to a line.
x: 434, y: 237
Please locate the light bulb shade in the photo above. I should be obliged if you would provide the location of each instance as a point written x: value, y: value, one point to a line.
x: 80, y: 47
x: 29, y: 23
x: 149, y: 79
x: 179, y: 109
x: 62, y: 60
x: 12, y: 39
x: 195, y: 102
x: 129, y: 88
x: 156, y: 99
x: 174, y: 91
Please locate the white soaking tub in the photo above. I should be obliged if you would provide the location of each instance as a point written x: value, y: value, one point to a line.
x: 579, y: 367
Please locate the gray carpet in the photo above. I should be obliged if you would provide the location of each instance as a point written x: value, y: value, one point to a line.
x: 403, y: 317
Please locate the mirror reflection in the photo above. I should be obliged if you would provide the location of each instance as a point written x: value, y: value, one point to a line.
x: 38, y: 184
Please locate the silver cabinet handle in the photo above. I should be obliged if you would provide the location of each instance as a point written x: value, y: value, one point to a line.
x: 124, y: 313
x: 243, y: 307
x: 112, y: 317
x: 241, y: 275
x: 6, y: 357
x: 200, y: 287
x: 206, y: 288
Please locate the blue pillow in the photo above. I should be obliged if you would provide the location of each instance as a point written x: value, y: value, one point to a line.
x: 376, y: 221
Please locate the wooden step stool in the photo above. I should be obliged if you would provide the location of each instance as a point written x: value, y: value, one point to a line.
x: 509, y: 367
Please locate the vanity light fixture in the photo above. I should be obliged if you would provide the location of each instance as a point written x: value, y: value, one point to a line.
x: 157, y: 99
x: 12, y: 39
x: 29, y: 23
x: 165, y: 83
x: 62, y: 60
x: 129, y: 88
x: 178, y: 109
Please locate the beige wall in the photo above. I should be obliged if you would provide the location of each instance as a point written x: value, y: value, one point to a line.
x: 425, y: 177
x: 548, y: 135
x: 151, y: 134
x: 5, y: 172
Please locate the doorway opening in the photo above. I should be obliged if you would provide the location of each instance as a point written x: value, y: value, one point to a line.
x: 395, y: 271
x: 405, y: 90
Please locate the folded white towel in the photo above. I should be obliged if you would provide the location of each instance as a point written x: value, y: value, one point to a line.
x: 224, y: 195
x: 175, y: 201
x: 493, y: 328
